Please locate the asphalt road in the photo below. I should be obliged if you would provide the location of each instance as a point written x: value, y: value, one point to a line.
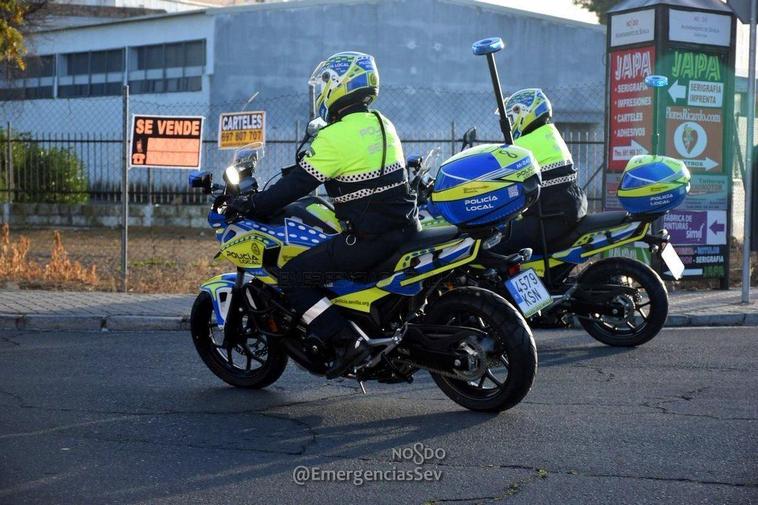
x: 134, y: 418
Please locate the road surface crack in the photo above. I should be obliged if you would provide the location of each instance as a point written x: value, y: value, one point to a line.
x: 512, y: 489
x: 10, y: 341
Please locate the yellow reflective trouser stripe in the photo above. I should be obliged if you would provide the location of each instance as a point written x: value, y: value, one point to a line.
x: 316, y: 310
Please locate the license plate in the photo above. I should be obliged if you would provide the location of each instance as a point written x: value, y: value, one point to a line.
x: 528, y: 292
x: 672, y: 261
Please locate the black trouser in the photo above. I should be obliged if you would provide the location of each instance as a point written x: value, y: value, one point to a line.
x: 562, y: 205
x: 525, y: 232
x: 303, y: 276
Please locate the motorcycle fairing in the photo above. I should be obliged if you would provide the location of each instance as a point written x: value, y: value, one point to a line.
x: 589, y: 245
x: 407, y: 280
x: 245, y: 243
x: 220, y: 290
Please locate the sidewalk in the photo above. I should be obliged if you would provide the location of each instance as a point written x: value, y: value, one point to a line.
x: 62, y: 310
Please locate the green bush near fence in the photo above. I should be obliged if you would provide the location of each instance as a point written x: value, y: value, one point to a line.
x: 42, y: 174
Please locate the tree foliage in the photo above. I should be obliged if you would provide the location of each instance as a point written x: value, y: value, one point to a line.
x: 14, y: 20
x: 599, y: 7
x: 42, y: 174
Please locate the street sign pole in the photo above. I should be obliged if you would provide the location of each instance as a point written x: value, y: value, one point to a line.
x: 747, y: 180
x: 125, y: 190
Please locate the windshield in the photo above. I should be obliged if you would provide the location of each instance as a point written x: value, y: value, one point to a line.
x: 248, y: 155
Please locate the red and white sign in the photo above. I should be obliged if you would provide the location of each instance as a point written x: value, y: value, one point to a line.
x: 631, y: 111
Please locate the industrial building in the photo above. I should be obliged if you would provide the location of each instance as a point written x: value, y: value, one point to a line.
x: 212, y: 60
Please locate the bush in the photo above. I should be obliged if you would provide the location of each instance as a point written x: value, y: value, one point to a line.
x: 50, y: 175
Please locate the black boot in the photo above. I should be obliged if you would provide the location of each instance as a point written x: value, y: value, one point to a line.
x: 349, y: 349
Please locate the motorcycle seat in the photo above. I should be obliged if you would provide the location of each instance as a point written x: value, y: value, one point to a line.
x: 600, y: 221
x: 563, y: 239
x: 421, y: 240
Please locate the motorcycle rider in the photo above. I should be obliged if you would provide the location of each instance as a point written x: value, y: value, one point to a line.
x: 562, y: 201
x: 359, y: 159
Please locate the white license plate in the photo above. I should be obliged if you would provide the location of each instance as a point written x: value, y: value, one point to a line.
x: 673, y: 262
x: 528, y: 292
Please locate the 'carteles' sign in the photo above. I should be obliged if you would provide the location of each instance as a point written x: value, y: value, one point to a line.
x: 237, y: 129
x: 166, y: 141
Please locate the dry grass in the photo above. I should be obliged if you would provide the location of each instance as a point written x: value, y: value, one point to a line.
x: 161, y: 260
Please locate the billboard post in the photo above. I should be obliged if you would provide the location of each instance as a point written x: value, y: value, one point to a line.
x: 749, y: 161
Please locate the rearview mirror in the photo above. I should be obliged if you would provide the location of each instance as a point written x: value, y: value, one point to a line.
x: 414, y: 162
x: 201, y: 180
x: 469, y: 138
x: 314, y: 126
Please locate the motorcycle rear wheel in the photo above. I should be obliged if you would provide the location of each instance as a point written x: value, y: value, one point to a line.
x: 651, y: 304
x: 516, y: 350
x: 270, y: 357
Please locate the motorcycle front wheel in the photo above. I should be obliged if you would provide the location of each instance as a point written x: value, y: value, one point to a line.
x: 644, y: 314
x: 510, y: 368
x: 255, y: 364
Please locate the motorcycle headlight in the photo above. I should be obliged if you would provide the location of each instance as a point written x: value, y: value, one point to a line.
x: 232, y: 175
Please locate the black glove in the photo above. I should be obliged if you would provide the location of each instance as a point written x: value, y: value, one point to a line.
x: 243, y: 205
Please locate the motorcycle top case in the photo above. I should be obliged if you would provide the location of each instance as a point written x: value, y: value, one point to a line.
x: 653, y: 184
x: 486, y: 184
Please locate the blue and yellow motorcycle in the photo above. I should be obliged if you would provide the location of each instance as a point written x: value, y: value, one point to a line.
x: 619, y: 301
x: 476, y: 345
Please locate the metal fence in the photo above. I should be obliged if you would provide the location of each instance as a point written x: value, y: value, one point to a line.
x: 70, y: 151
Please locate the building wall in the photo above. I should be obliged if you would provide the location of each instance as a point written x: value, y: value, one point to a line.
x: 423, y: 48
x: 102, y: 115
x: 433, y: 88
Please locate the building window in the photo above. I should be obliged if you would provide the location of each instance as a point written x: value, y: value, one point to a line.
x: 159, y: 68
x: 35, y: 81
x: 91, y: 73
x: 167, y: 68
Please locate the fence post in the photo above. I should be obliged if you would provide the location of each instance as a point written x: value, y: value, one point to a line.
x: 11, y: 175
x: 125, y: 188
x: 452, y: 138
x: 749, y: 145
x: 149, y: 207
x: 8, y: 177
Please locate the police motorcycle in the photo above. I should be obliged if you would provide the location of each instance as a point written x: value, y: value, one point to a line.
x: 619, y: 301
x: 476, y: 345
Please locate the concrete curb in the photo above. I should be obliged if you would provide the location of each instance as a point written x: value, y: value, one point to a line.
x: 181, y: 323
x: 93, y: 323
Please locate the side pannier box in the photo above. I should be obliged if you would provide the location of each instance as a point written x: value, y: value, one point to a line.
x: 486, y: 184
x: 653, y: 184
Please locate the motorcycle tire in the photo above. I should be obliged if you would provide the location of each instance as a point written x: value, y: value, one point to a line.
x: 202, y: 319
x: 513, y: 339
x: 603, y: 272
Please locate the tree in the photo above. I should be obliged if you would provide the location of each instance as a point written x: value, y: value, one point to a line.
x: 14, y: 17
x: 599, y: 7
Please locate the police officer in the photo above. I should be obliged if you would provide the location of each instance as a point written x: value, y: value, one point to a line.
x: 359, y: 159
x: 562, y: 200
